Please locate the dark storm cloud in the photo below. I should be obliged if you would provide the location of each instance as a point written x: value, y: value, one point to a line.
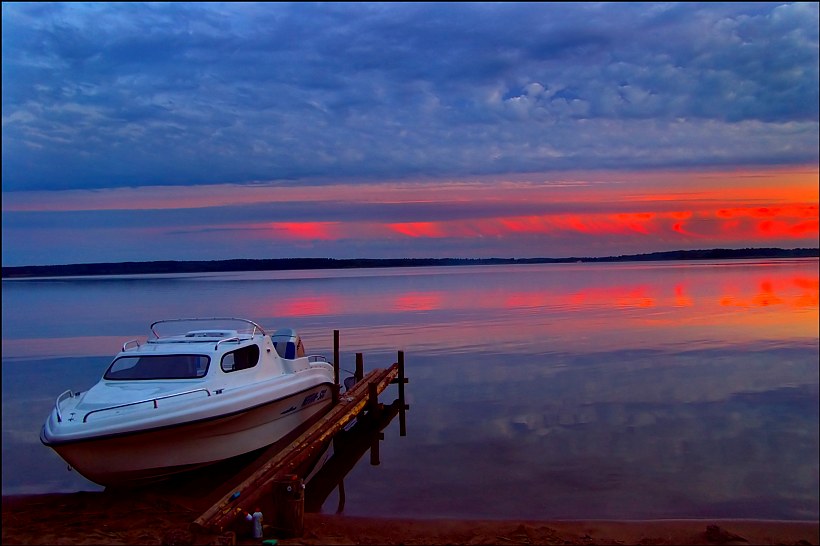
x: 108, y: 95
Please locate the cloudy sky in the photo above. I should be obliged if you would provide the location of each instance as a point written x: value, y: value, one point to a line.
x: 215, y: 131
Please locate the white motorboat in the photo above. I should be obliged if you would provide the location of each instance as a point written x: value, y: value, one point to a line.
x: 187, y: 399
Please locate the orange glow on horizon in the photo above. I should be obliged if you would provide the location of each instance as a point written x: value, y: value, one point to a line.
x: 792, y: 222
x: 638, y: 209
x: 770, y: 228
x: 418, y: 229
x: 718, y: 225
x: 768, y: 187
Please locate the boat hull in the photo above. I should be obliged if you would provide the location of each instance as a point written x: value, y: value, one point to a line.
x: 151, y: 454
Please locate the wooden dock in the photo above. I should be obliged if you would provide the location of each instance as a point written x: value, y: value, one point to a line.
x: 349, y: 446
x: 258, y: 489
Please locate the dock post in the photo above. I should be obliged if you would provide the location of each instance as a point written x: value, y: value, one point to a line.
x: 373, y: 399
x: 402, y: 406
x: 374, y: 448
x: 359, y: 367
x: 374, y: 411
x: 335, y: 367
x: 289, y: 507
x: 257, y: 487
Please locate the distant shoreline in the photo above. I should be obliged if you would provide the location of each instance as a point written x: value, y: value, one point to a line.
x: 289, y: 264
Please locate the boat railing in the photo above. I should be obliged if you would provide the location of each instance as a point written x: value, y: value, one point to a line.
x: 145, y: 401
x: 254, y: 326
x: 124, y: 345
x: 235, y: 339
x: 317, y: 358
x: 57, y: 404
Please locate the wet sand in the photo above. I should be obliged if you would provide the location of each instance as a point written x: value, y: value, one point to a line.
x: 149, y: 518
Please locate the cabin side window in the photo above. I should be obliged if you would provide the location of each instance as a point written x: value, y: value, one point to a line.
x: 241, y: 359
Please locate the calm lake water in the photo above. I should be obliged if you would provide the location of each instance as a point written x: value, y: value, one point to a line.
x: 611, y: 391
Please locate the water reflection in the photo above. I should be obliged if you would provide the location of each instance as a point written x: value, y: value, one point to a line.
x: 561, y: 304
x: 635, y: 435
x: 348, y: 448
x: 566, y: 391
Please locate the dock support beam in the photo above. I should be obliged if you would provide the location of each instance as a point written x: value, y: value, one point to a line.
x: 374, y: 410
x: 402, y: 380
x: 359, y: 367
x: 287, y: 461
x: 335, y: 367
x: 288, y: 506
x: 403, y: 407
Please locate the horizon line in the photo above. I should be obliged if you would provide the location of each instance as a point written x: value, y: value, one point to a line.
x: 264, y: 264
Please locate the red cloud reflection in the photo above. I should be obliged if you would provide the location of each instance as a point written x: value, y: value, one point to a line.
x: 771, y: 292
x: 308, y: 306
x: 418, y: 301
x: 768, y: 291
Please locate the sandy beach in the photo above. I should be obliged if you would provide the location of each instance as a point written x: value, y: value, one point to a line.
x: 145, y: 518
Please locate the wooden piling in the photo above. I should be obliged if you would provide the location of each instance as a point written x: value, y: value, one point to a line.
x: 359, y: 367
x: 403, y: 407
x: 349, y: 447
x: 336, y: 365
x: 288, y: 507
x: 375, y: 410
x: 375, y: 459
x: 372, y: 399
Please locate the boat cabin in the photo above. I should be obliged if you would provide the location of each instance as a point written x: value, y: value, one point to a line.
x: 183, y: 355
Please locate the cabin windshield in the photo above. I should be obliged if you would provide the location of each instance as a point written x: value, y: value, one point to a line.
x: 158, y: 367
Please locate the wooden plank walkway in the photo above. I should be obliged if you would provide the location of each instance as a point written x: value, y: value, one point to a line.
x: 219, y: 517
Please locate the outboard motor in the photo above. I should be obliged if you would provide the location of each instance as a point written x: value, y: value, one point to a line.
x: 288, y: 343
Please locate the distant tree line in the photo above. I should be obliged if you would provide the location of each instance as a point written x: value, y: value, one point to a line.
x: 283, y: 264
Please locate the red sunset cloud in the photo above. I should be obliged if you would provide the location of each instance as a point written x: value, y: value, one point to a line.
x: 756, y: 223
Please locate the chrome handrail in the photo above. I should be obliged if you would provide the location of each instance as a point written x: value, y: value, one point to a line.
x: 57, y: 404
x: 154, y: 400
x: 317, y: 358
x: 256, y: 327
x: 227, y: 339
x: 124, y: 345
